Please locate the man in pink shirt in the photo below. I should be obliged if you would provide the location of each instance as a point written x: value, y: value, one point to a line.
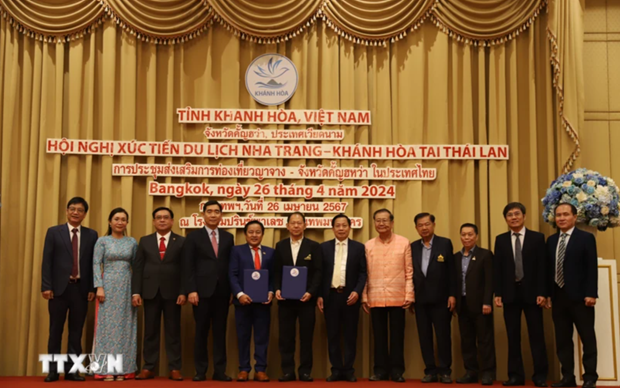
x: 388, y: 294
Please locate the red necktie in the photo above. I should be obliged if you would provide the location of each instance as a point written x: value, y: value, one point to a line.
x: 256, y: 258
x: 74, y: 244
x: 214, y: 242
x: 162, y: 247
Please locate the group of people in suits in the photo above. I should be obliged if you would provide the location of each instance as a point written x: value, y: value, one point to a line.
x: 384, y: 277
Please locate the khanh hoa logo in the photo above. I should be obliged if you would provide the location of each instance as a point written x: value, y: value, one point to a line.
x: 271, y: 79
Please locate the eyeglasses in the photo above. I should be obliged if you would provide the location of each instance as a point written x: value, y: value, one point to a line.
x: 79, y: 210
x: 165, y: 218
x: 216, y: 212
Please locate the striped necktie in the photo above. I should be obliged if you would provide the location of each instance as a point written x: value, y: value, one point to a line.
x: 559, y: 263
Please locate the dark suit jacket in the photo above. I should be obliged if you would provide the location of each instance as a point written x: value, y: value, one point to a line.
x: 580, y: 265
x: 534, y: 255
x: 242, y: 258
x: 310, y: 250
x: 58, y: 259
x: 203, y: 270
x: 440, y: 282
x: 355, y: 271
x: 151, y: 273
x: 478, y: 280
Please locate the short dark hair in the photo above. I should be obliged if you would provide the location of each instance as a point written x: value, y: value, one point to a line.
x: 288, y: 219
x: 419, y: 216
x: 572, y: 207
x: 381, y: 211
x: 340, y: 216
x: 112, y: 213
x: 163, y: 208
x: 514, y: 205
x: 469, y: 225
x: 211, y: 202
x: 78, y: 200
x: 257, y: 222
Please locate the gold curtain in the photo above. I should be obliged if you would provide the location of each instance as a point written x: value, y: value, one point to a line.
x: 426, y: 89
x: 565, y: 30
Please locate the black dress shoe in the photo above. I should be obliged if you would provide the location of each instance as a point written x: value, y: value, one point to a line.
x: 305, y: 377
x: 333, y: 377
x: 52, y: 376
x: 589, y: 384
x: 200, y: 377
x: 350, y: 378
x: 398, y: 378
x: 74, y: 377
x: 378, y: 377
x: 445, y: 379
x: 565, y: 383
x: 221, y: 377
x: 288, y: 377
x: 429, y: 379
x: 513, y: 382
x: 467, y: 379
x: 486, y: 380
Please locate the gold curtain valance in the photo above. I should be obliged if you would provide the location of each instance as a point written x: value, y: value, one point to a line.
x: 375, y: 22
x: 493, y: 21
x: 52, y: 19
x: 368, y: 20
x: 160, y: 21
x: 265, y: 21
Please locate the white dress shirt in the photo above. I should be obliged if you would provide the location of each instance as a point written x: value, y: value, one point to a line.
x: 295, y: 245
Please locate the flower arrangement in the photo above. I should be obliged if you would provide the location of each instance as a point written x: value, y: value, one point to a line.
x: 596, y: 198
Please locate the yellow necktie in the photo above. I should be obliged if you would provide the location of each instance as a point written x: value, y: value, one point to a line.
x: 337, y: 265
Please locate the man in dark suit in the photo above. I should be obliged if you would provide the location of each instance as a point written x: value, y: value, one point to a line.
x: 67, y: 282
x: 249, y: 314
x: 297, y: 251
x: 474, y: 298
x: 206, y: 254
x: 157, y: 279
x: 344, y: 279
x: 573, y: 282
x: 434, y: 281
x: 520, y: 287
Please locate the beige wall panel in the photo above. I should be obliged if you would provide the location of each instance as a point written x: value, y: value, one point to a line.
x: 613, y: 16
x: 595, y: 76
x: 595, y: 19
x: 613, y: 57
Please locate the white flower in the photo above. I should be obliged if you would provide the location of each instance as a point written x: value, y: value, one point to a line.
x: 550, y: 217
x: 591, y: 183
x: 581, y: 197
x: 611, y: 182
x: 604, y: 210
x: 590, y: 172
x: 577, y: 175
x: 567, y: 184
x: 602, y: 194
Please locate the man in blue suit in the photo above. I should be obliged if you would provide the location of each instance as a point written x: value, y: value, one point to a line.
x: 248, y: 314
x: 67, y: 281
x: 344, y: 279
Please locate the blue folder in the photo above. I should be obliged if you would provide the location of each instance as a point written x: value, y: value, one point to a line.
x: 256, y: 284
x: 294, y: 280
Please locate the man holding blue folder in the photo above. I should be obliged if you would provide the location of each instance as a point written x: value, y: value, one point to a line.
x: 344, y: 279
x: 252, y: 286
x: 297, y: 280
